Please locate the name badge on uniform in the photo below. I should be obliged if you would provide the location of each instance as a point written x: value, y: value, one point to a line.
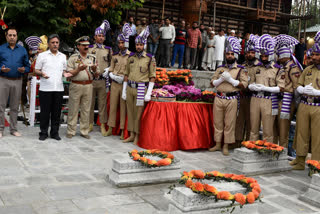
x: 258, y: 71
x: 221, y: 72
x: 94, y: 52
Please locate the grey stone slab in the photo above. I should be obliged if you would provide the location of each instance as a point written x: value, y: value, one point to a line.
x: 73, y: 178
x: 22, y: 209
x: 105, y: 188
x: 107, y: 201
x: 297, y: 185
x: 93, y: 211
x: 151, y: 189
x: 249, y: 162
x: 312, y: 195
x: 158, y: 201
x: 86, y: 149
x: 55, y: 207
x: 64, y: 192
x: 22, y: 195
x: 141, y: 208
x: 265, y: 208
x: 38, y: 180
x: 293, y: 206
x: 5, y: 154
x: 285, y: 191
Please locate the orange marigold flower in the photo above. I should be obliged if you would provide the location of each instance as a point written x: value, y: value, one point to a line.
x: 231, y: 197
x: 224, y: 195
x: 134, y: 151
x: 144, y: 159
x: 240, y: 198
x: 257, y: 188
x: 170, y: 156
x: 152, y: 162
x: 256, y: 193
x: 228, y: 175
x: 251, y: 180
x: 189, y: 183
x: 199, y: 174
x: 250, y: 198
x: 210, y: 188
x: 198, y: 187
x: 136, y: 157
x: 164, y: 162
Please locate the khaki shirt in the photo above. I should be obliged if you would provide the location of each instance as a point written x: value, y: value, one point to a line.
x: 237, y: 72
x: 141, y: 69
x: 311, y: 74
x: 119, y: 63
x: 86, y: 74
x: 268, y: 76
x: 292, y: 72
x: 103, y: 55
x: 251, y: 68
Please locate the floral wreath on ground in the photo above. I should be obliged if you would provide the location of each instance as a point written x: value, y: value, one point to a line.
x: 253, y: 188
x: 167, y: 158
x: 314, y: 167
x: 262, y: 146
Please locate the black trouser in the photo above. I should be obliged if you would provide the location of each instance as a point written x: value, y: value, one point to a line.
x: 132, y: 44
x: 200, y: 55
x: 165, y: 52
x: 50, y: 108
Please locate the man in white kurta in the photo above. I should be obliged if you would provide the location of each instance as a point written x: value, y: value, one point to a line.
x: 218, y: 43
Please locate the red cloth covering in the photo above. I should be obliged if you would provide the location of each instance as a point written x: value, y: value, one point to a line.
x: 171, y: 126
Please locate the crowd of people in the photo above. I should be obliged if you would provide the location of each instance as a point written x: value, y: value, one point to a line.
x: 258, y: 84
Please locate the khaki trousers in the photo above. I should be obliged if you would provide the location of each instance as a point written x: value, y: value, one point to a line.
x: 225, y: 114
x: 10, y: 90
x: 282, y: 127
x: 115, y: 97
x: 307, y: 127
x: 243, y: 120
x: 99, y: 90
x: 134, y: 112
x: 261, y: 111
x: 79, y: 98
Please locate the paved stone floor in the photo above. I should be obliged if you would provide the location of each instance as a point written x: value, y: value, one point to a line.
x: 68, y: 177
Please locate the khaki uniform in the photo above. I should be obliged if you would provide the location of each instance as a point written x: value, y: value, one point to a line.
x: 282, y: 126
x: 118, y: 67
x: 243, y: 119
x: 138, y: 70
x: 80, y: 92
x: 261, y: 108
x: 103, y: 56
x: 308, y: 118
x: 225, y: 109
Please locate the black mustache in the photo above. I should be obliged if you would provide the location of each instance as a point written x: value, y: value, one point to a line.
x: 86, y: 49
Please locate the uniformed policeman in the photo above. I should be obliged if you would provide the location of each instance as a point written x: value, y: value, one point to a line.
x: 292, y: 70
x: 83, y: 67
x: 228, y: 80
x: 265, y: 83
x: 308, y: 115
x: 243, y: 119
x: 103, y: 55
x: 116, y: 72
x: 139, y: 77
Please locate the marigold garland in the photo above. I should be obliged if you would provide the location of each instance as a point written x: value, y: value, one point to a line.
x: 205, y: 189
x: 314, y: 167
x: 167, y: 158
x: 262, y: 146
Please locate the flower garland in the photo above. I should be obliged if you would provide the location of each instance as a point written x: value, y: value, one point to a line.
x: 262, y: 146
x: 314, y: 167
x: 167, y: 158
x: 205, y: 189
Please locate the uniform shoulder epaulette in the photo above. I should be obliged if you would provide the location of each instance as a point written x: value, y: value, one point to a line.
x: 115, y: 53
x: 240, y: 66
x: 131, y: 54
x: 220, y: 66
x: 276, y: 65
x: 149, y: 55
x: 107, y: 47
x: 75, y: 55
x: 91, y: 46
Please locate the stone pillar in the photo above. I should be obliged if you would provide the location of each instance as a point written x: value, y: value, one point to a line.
x: 191, y: 9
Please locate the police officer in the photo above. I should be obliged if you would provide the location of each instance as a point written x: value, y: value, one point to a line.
x: 116, y: 72
x: 265, y: 83
x: 228, y: 80
x: 83, y: 67
x: 243, y: 119
x: 308, y: 115
x: 292, y: 70
x: 138, y: 84
x: 103, y: 55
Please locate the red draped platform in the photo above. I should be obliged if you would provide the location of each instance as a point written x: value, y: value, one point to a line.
x: 173, y: 126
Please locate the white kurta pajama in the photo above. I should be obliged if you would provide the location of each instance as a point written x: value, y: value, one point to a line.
x: 209, y: 54
x: 218, y: 42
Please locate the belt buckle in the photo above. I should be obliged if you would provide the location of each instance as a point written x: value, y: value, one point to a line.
x: 134, y: 85
x: 310, y: 99
x: 260, y: 93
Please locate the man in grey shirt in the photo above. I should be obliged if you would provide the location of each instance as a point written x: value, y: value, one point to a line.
x: 153, y: 40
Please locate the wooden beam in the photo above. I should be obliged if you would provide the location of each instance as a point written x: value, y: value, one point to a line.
x: 279, y: 6
x: 163, y: 6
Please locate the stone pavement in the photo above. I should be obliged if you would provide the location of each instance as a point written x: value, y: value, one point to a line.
x: 68, y: 177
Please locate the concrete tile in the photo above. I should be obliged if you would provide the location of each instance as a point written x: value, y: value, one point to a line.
x: 22, y: 209
x: 63, y: 192
x: 294, y: 206
x: 24, y: 195
x: 73, y: 178
x: 142, y: 208
x: 55, y: 207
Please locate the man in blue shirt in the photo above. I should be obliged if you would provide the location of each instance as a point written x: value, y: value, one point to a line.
x: 14, y: 62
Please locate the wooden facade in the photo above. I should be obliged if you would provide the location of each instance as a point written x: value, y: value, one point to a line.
x: 253, y: 16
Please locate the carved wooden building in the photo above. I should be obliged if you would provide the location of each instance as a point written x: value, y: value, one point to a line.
x: 253, y: 16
